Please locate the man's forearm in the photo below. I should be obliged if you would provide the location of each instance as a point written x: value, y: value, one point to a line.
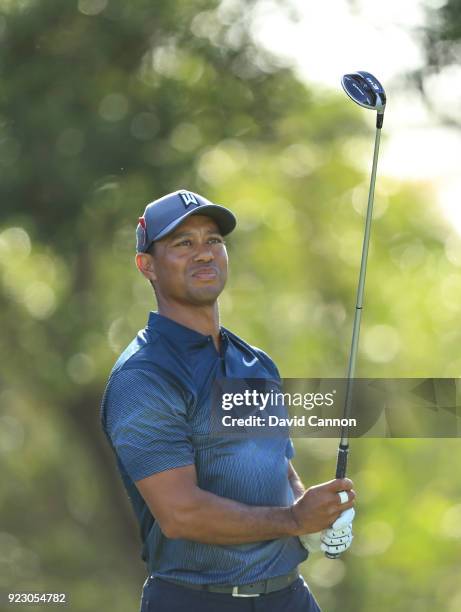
x: 296, y: 485
x: 212, y: 519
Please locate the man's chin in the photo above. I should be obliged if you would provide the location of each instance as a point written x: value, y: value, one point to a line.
x: 205, y: 296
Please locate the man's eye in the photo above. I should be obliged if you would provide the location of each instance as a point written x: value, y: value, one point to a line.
x: 216, y: 240
x: 184, y: 243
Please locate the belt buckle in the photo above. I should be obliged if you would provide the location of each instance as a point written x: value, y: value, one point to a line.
x: 235, y: 593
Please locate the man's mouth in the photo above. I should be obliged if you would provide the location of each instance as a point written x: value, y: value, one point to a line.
x: 206, y: 273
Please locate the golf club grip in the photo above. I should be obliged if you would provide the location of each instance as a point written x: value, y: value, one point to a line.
x: 341, y: 462
x: 341, y: 468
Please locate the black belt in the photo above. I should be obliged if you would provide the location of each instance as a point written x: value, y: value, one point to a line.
x: 245, y: 590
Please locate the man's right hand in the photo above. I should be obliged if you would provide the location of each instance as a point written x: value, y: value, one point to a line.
x: 320, y: 505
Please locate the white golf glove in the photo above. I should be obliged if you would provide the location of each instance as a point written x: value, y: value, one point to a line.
x: 334, y: 540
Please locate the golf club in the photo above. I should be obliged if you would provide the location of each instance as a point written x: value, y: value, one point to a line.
x: 365, y: 90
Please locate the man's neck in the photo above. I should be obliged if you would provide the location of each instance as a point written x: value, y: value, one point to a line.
x: 202, y: 319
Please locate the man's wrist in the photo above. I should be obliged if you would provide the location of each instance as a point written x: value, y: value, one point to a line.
x: 296, y: 528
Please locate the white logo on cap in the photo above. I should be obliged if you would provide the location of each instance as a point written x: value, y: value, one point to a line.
x: 188, y: 198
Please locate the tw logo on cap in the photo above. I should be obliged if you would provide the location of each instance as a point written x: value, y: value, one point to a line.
x: 188, y: 198
x: 141, y: 233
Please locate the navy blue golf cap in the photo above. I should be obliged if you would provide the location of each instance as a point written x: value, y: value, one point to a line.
x: 163, y: 216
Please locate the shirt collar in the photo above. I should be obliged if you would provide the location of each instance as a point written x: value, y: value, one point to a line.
x: 178, y: 332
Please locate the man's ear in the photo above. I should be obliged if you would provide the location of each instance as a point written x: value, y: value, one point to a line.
x: 146, y: 265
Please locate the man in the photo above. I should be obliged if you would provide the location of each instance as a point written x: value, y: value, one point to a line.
x: 219, y: 517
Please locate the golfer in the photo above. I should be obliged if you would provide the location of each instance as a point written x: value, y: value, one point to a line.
x: 222, y: 520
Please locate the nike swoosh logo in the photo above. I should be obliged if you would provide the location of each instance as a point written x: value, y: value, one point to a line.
x: 249, y: 363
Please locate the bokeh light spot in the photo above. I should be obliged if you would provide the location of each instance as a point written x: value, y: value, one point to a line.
x: 373, y: 538
x: 186, y: 137
x: 14, y: 243
x: 144, y: 126
x: 81, y: 368
x: 450, y: 525
x: 92, y: 7
x: 381, y: 343
x: 299, y: 160
x: 113, y: 107
x: 40, y: 300
x: 326, y: 574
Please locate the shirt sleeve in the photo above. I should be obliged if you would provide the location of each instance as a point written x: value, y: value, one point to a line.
x: 146, y: 422
x: 290, y: 449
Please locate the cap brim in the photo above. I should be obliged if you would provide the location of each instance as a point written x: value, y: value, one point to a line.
x: 224, y: 218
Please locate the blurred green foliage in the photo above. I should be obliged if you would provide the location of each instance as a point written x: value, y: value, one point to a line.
x: 106, y: 105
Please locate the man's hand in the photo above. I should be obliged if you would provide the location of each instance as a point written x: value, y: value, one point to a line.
x: 344, y: 519
x: 334, y: 540
x: 320, y: 506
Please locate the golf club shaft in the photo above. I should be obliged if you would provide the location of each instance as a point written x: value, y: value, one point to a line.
x: 343, y: 450
x: 359, y: 303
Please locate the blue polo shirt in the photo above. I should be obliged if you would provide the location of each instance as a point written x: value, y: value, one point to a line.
x: 156, y: 414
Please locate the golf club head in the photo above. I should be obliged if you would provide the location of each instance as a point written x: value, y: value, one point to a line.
x: 365, y: 89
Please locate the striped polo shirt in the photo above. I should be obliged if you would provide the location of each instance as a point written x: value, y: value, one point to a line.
x: 155, y: 412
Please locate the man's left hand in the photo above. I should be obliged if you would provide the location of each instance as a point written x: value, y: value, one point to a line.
x: 334, y: 540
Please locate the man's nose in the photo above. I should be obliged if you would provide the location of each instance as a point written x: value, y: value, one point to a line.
x: 204, y: 253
